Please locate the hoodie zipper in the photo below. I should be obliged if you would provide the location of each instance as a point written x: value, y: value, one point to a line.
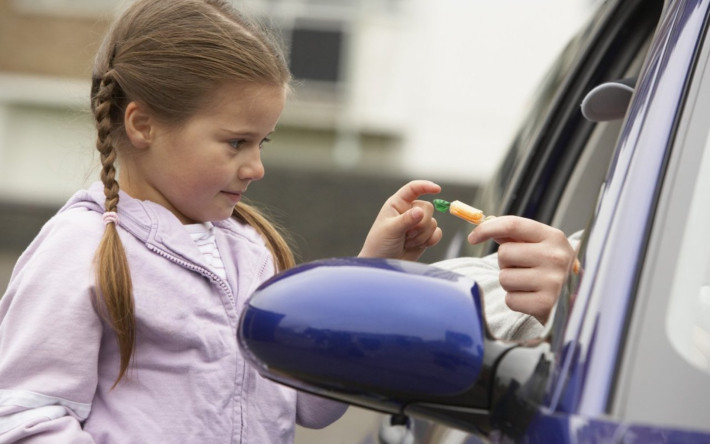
x: 203, y: 271
x: 238, y: 387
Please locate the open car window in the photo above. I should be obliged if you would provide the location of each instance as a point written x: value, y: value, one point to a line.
x: 578, y: 199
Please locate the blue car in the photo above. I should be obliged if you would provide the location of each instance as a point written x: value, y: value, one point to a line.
x: 617, y: 145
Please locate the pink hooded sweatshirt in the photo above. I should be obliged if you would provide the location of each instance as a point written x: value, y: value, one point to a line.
x: 187, y: 382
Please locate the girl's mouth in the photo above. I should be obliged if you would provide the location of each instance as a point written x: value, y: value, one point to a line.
x: 234, y: 197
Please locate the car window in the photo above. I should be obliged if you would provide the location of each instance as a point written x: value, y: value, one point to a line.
x: 688, y: 319
x: 492, y: 194
x: 490, y: 197
x: 578, y: 199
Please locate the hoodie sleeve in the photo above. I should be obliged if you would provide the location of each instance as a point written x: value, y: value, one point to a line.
x: 315, y: 412
x: 50, y: 335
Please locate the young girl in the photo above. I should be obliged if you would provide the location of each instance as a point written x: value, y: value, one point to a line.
x: 119, y: 322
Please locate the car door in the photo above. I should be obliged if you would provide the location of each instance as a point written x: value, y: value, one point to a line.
x: 645, y: 321
x: 628, y: 355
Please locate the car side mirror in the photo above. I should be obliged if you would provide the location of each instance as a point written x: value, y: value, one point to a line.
x: 390, y: 335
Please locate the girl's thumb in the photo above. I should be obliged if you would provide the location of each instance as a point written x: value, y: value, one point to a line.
x: 410, y: 218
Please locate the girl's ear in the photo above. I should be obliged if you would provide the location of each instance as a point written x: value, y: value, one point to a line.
x: 138, y: 125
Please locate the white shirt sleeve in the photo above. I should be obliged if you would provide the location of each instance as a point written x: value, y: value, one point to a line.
x: 503, y: 322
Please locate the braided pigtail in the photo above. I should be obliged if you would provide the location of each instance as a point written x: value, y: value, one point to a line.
x: 113, y: 276
x: 283, y: 256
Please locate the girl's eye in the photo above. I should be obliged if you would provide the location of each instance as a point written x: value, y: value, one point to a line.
x: 237, y: 143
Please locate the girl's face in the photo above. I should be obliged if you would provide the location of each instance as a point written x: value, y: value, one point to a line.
x: 200, y: 169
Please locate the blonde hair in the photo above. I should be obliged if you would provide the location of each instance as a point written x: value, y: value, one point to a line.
x: 170, y: 56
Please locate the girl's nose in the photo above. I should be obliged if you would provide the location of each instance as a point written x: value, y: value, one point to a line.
x: 252, y: 168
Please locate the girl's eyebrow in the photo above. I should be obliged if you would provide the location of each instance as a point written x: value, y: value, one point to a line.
x: 244, y: 133
x: 233, y: 131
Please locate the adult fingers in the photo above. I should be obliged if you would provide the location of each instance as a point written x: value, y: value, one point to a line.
x: 510, y: 228
x: 529, y: 279
x: 541, y: 255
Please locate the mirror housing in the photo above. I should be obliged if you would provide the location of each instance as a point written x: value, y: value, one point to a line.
x: 384, y: 334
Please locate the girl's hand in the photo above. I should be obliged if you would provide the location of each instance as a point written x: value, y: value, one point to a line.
x: 534, y: 261
x: 405, y: 227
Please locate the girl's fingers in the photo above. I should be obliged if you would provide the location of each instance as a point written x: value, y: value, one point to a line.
x: 423, y: 230
x: 410, y: 192
x: 427, y: 238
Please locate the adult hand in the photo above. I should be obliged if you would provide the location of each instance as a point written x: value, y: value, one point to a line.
x: 534, y: 261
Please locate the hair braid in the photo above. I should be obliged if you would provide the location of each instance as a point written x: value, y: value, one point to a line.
x: 114, y: 279
x: 104, y: 143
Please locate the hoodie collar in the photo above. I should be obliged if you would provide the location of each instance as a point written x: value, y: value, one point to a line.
x: 147, y: 221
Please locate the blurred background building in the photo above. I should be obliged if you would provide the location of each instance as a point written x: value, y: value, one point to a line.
x: 385, y: 91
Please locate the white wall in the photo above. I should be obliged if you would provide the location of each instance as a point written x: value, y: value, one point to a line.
x: 457, y: 75
x: 46, y: 139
